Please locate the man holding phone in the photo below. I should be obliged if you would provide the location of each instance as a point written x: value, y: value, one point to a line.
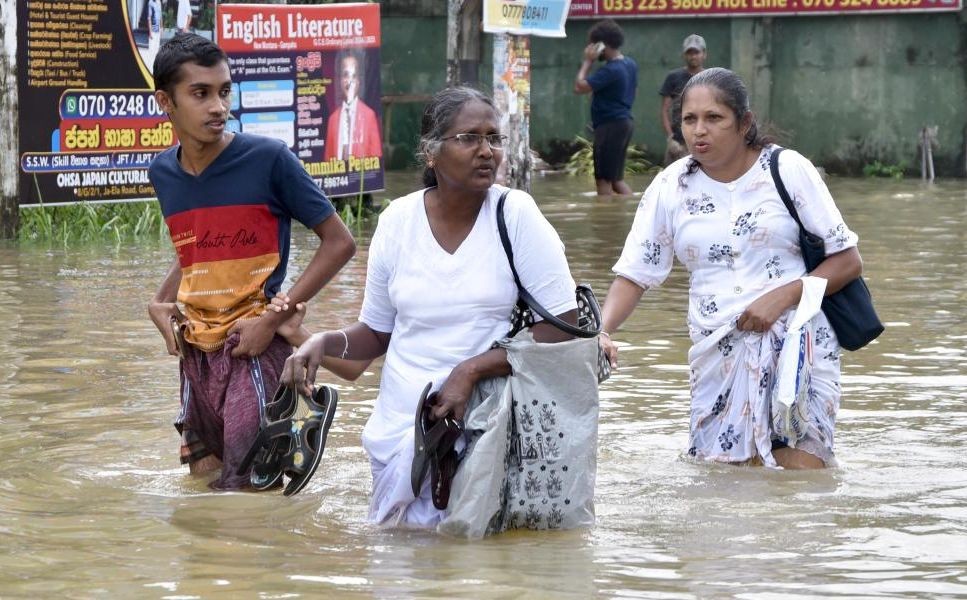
x: 612, y: 88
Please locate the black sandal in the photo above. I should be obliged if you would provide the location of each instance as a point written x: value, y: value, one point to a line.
x: 291, y: 444
x: 266, y: 462
x: 434, y: 451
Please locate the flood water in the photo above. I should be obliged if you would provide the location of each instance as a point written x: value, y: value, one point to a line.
x: 94, y: 503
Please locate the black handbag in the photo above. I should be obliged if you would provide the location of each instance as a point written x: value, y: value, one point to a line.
x: 850, y: 310
x: 589, y: 312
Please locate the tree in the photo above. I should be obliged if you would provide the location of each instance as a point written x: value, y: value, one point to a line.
x: 463, y: 42
x: 9, y: 132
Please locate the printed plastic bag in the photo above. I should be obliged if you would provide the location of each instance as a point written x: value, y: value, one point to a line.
x: 532, y: 458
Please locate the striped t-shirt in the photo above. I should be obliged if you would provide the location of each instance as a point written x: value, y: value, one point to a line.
x: 230, y: 227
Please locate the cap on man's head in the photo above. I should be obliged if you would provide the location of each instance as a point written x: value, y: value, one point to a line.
x: 694, y: 42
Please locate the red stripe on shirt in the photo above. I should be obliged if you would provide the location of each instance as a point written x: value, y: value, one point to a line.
x: 223, y: 233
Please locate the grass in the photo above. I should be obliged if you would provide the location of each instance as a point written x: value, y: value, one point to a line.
x: 582, y: 161
x: 130, y: 221
x: 879, y: 169
x: 83, y: 222
x: 354, y: 209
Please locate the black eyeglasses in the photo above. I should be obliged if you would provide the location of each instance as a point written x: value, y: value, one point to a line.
x: 496, y: 141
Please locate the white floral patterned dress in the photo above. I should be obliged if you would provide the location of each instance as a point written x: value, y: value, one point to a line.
x: 738, y: 242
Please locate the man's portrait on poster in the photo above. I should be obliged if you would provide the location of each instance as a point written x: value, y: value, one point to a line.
x: 353, y: 127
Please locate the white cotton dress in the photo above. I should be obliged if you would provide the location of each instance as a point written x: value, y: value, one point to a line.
x: 738, y: 241
x: 443, y: 308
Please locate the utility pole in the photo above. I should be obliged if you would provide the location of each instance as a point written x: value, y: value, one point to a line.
x: 512, y: 74
x: 9, y: 132
x: 463, y: 42
x: 512, y: 96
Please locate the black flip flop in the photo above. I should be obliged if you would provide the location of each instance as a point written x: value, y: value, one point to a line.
x: 434, y: 451
x: 421, y: 458
x: 443, y: 464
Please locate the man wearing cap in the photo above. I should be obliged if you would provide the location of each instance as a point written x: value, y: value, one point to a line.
x: 693, y: 50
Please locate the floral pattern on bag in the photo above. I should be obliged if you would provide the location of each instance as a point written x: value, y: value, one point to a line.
x: 535, y: 484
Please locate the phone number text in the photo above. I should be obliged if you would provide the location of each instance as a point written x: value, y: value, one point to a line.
x: 631, y: 7
x: 77, y: 104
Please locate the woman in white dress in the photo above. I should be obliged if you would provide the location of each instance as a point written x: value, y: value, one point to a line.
x: 718, y: 211
x: 439, y: 292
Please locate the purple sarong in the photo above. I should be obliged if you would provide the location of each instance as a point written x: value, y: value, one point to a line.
x: 222, y: 400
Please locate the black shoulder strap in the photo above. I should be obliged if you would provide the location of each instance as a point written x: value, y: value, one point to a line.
x: 781, y: 187
x: 505, y: 239
x: 523, y: 293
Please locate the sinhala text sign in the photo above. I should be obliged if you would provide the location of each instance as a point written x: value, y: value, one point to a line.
x: 309, y: 75
x: 89, y: 124
x: 729, y: 8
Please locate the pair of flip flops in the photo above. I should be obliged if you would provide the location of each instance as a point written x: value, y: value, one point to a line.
x: 435, y: 450
x: 291, y: 438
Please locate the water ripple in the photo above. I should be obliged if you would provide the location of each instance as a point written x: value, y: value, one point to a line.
x: 93, y: 501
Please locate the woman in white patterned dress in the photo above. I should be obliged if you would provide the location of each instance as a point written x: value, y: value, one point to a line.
x: 718, y: 211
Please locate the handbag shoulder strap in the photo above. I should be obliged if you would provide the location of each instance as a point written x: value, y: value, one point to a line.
x: 505, y: 239
x: 522, y: 292
x: 781, y: 187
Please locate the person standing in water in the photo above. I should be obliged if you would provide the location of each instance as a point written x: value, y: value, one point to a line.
x: 612, y: 87
x: 228, y: 201
x: 694, y: 54
x: 719, y: 212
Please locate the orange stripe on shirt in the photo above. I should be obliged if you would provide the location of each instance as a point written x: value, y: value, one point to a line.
x: 227, y: 254
x: 215, y: 295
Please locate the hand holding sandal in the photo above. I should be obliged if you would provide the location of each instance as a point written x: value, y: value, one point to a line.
x: 434, y: 450
x: 291, y: 438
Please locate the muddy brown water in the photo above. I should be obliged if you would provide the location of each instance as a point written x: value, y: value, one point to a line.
x: 94, y: 504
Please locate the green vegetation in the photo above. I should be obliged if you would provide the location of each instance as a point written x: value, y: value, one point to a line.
x: 582, y: 161
x: 92, y: 222
x: 878, y: 169
x: 206, y: 16
x: 130, y: 221
x: 353, y: 210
